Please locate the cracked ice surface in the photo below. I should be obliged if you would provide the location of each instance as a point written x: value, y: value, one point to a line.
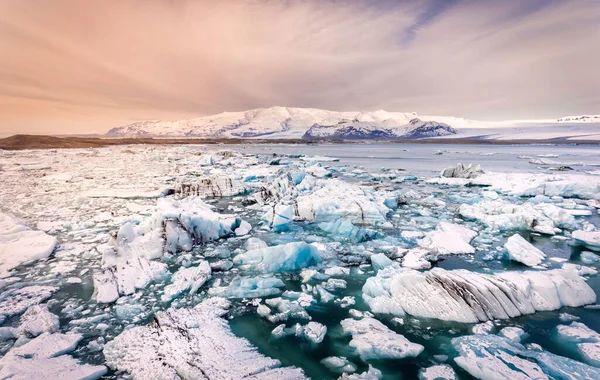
x: 356, y: 267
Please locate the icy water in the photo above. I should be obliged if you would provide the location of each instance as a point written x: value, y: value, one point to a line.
x: 83, y: 197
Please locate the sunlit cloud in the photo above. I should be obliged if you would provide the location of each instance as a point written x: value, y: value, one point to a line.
x: 84, y: 66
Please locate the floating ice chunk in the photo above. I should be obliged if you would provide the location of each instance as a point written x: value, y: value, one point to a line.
x: 212, y: 187
x: 279, y: 217
x: 286, y: 309
x: 255, y: 243
x: 317, y: 171
x: 319, y: 158
x: 20, y: 245
x: 243, y: 229
x: 462, y: 171
x: 74, y: 280
x: 279, y: 258
x: 437, y: 372
x: 495, y: 357
x: 37, y: 320
x: 418, y: 258
x: 492, y: 357
x: 470, y: 297
x: 373, y: 340
x: 524, y: 252
x: 105, y: 287
x: 589, y: 257
x: 581, y: 270
x: 129, y: 311
x: 253, y: 287
x: 16, y: 301
x: 315, y: 332
x: 507, y: 216
x: 185, y: 279
x: 337, y: 271
x: 513, y: 333
x: 312, y: 274
x: 195, y: 216
x: 183, y: 342
x: 62, y: 367
x: 338, y: 199
x: 178, y: 239
x: 483, y: 328
x: 334, y: 284
x: 380, y: 261
x: 47, y: 345
x: 566, y: 317
x: 337, y: 364
x: 589, y: 239
x: 263, y: 311
x: 280, y: 188
x: 449, y: 238
x: 371, y: 374
x: 586, y: 339
x: 345, y: 230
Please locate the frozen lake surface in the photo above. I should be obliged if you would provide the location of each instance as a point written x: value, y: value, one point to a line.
x: 359, y: 261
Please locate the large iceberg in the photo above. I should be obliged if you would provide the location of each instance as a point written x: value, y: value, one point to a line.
x: 279, y: 258
x: 192, y: 343
x: 129, y: 259
x: 470, y: 297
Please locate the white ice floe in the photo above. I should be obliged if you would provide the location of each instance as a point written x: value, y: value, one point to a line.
x: 43, y: 358
x: 249, y: 287
x: 284, y: 257
x: 449, y: 238
x: 589, y: 239
x: 373, y: 340
x: 494, y: 357
x: 313, y: 332
x: 191, y: 343
x: 344, y: 230
x: 437, y: 372
x: 187, y: 279
x: 586, y: 340
x: 371, y: 374
x: 523, y: 251
x: 462, y: 171
x: 339, y: 365
x: 513, y: 333
x: 37, y: 320
x: 20, y: 245
x: 464, y: 296
x: 530, y: 185
x: 217, y: 186
x: 16, y: 301
x: 507, y: 216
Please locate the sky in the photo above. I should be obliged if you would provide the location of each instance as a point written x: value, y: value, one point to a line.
x: 72, y: 66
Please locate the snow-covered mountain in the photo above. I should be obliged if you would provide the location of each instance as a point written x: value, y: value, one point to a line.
x: 580, y: 119
x: 286, y: 122
x: 361, y: 130
x: 310, y: 123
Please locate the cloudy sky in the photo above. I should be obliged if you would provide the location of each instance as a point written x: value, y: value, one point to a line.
x: 72, y: 66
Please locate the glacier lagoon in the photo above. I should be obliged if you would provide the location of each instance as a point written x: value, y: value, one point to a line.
x: 292, y: 261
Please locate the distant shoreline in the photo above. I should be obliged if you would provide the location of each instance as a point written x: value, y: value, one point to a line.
x: 22, y: 142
